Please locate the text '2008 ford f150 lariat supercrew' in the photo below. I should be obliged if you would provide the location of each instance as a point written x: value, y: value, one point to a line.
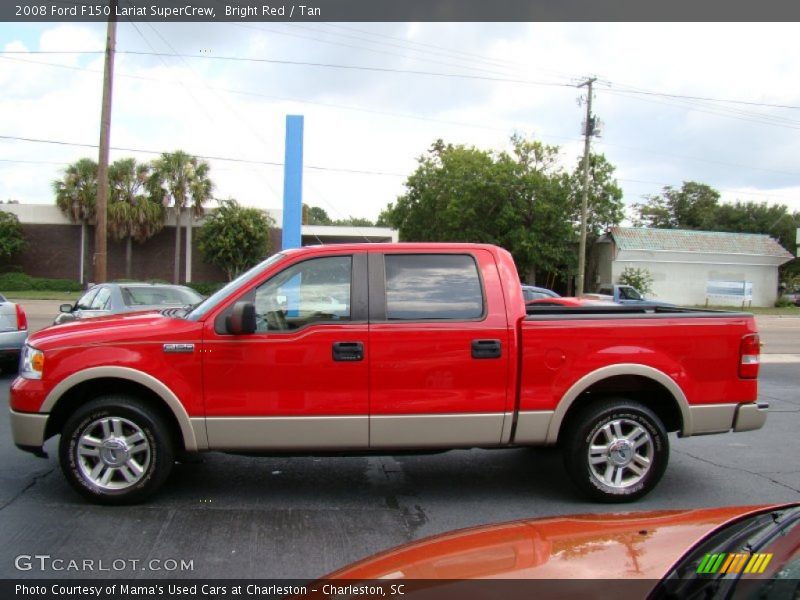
x: 381, y: 348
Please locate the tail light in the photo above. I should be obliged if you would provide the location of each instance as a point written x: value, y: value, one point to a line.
x: 22, y: 319
x: 749, y: 356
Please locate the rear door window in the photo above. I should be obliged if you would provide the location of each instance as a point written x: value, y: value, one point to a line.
x: 433, y: 287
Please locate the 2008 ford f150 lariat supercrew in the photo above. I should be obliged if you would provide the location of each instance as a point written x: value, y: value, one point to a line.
x: 380, y: 348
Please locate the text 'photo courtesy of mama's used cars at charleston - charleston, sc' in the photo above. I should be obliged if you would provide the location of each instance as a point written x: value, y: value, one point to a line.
x: 383, y: 348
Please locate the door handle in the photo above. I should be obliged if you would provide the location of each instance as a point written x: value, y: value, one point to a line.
x: 486, y: 349
x: 348, y: 351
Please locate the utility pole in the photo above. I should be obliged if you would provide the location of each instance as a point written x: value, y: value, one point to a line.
x: 587, y: 144
x: 101, y: 207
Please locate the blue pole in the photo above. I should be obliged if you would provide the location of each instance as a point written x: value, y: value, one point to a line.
x: 293, y: 183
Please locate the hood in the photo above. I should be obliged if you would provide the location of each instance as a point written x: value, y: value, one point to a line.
x: 127, y: 327
x: 612, y: 546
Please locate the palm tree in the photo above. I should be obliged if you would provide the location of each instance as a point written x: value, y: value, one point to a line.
x: 76, y: 195
x: 131, y: 214
x: 181, y: 181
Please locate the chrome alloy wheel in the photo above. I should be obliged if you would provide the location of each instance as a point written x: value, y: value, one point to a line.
x: 621, y: 453
x: 113, y: 453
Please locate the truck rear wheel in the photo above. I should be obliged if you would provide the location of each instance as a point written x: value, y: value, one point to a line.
x: 116, y: 450
x: 616, y: 450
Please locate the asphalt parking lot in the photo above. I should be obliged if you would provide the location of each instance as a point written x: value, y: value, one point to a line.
x: 238, y: 516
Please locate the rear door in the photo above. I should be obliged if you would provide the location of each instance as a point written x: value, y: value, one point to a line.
x: 439, y: 350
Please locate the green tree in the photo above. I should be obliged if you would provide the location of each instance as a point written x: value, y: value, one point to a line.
x: 352, y: 221
x: 639, y: 278
x: 131, y: 214
x: 235, y: 238
x: 774, y: 220
x: 605, y: 196
x: 693, y: 206
x: 181, y: 181
x: 76, y: 196
x: 314, y: 215
x: 12, y: 238
x: 520, y: 200
x: 605, y: 206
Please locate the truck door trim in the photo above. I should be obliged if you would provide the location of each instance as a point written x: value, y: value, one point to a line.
x: 436, y: 431
x: 288, y: 433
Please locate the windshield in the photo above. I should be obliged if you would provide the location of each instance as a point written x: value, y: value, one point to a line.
x: 210, y: 302
x: 629, y: 293
x: 155, y: 295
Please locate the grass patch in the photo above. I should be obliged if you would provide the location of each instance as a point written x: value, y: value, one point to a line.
x: 20, y: 282
x: 42, y: 295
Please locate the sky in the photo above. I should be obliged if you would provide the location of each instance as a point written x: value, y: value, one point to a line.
x: 405, y: 86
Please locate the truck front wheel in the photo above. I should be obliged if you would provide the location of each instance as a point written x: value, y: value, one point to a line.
x: 616, y: 450
x: 116, y: 450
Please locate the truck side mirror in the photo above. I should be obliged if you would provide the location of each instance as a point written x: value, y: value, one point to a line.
x: 242, y: 319
x: 65, y: 308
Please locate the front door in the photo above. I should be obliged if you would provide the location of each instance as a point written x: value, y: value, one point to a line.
x: 301, y: 380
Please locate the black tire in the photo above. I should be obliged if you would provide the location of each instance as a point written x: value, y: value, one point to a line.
x: 627, y: 468
x: 134, y: 445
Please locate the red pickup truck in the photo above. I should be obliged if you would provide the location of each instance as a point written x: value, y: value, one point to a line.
x: 379, y: 348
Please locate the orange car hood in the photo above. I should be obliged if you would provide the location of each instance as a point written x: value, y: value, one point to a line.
x: 641, y: 545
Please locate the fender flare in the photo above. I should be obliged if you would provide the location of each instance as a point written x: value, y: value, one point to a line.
x: 188, y: 432
x: 614, y: 371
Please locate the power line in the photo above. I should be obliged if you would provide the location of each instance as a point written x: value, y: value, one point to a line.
x: 407, y: 116
x: 731, y: 113
x: 33, y: 162
x: 698, y: 159
x: 705, y: 98
x: 400, y: 115
x: 313, y: 64
x: 416, y: 72
x: 206, y: 157
x: 173, y: 81
x: 249, y: 128
x: 317, y: 39
x: 359, y: 68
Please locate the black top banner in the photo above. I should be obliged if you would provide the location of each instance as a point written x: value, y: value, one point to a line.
x: 399, y: 10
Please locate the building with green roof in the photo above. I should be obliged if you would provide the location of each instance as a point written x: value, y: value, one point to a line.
x: 696, y: 267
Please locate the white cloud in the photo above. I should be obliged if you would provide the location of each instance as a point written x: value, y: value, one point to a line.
x: 165, y: 103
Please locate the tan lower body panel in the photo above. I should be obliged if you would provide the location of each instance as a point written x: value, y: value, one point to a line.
x: 436, y: 431
x: 750, y: 416
x: 27, y: 429
x: 712, y: 418
x: 288, y: 433
x: 532, y: 427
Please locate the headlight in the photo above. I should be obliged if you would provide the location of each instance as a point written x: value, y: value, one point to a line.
x: 31, y: 364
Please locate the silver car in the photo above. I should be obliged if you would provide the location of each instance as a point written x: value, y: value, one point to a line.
x: 13, y: 332
x: 114, y: 298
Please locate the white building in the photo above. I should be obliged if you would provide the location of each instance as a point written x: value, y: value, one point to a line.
x: 696, y: 267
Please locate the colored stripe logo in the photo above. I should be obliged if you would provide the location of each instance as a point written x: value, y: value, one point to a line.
x: 742, y: 562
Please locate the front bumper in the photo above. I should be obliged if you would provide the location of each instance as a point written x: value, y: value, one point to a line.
x: 27, y: 431
x: 750, y: 416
